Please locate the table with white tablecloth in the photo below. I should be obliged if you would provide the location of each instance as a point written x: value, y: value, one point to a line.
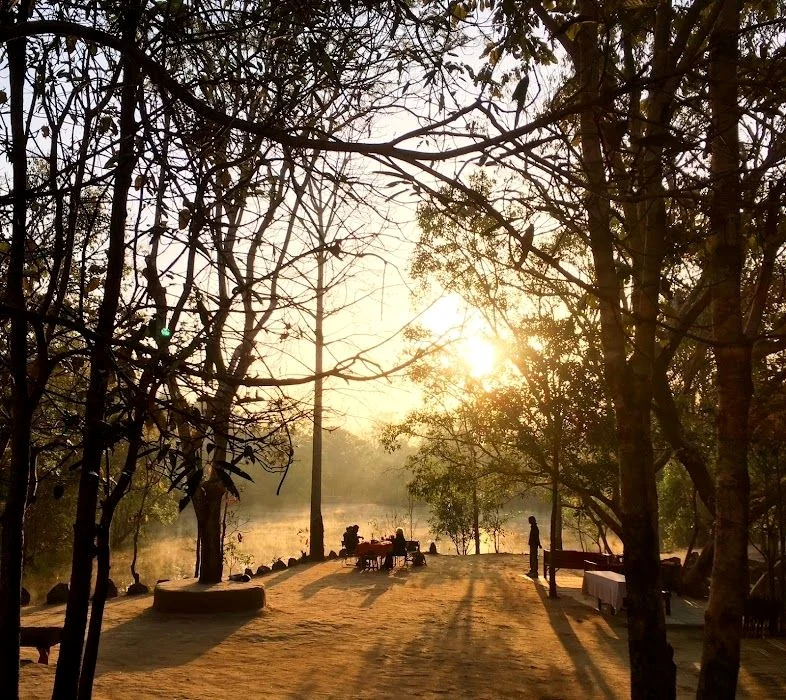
x: 607, y: 586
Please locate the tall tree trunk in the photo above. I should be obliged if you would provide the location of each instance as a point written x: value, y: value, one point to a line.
x: 103, y: 566
x: 138, y: 526
x: 554, y: 526
x: 224, y: 516
x: 197, y: 552
x: 103, y: 552
x: 316, y: 540
x: 208, y: 501
x: 781, y: 538
x: 12, y: 544
x: 475, y: 516
x: 191, y: 446
x: 558, y: 529
x: 723, y: 619
x: 652, y: 670
x: 555, y: 535
x: 630, y: 381
x: 209, y: 497
x: 101, y: 367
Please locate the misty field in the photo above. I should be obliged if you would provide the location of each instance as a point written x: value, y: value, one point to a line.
x: 265, y: 535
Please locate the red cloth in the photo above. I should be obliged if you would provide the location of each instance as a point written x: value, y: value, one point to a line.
x: 379, y: 549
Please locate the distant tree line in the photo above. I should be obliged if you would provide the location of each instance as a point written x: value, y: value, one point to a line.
x: 355, y: 470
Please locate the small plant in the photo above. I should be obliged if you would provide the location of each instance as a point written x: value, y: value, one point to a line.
x: 232, y: 539
x: 392, y: 522
x: 234, y: 556
x: 411, y: 514
x: 493, y: 522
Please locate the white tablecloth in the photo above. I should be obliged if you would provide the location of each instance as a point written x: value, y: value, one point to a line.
x: 607, y: 586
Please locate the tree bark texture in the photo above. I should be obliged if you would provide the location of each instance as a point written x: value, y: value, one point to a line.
x: 207, y: 505
x: 555, y: 534
x: 21, y: 414
x: 101, y: 367
x: 630, y: 380
x: 723, y: 619
x: 553, y: 529
x: 209, y: 497
x: 103, y: 566
x: 652, y: 670
x: 103, y: 551
x: 316, y: 539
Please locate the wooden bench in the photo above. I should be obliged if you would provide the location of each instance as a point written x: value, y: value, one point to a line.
x: 42, y: 638
x: 576, y: 559
x: 761, y: 617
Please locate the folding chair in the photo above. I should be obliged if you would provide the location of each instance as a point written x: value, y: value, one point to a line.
x: 369, y: 562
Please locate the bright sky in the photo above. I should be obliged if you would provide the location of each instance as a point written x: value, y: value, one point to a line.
x: 365, y: 405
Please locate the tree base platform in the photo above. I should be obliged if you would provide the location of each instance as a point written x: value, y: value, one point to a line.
x: 189, y: 596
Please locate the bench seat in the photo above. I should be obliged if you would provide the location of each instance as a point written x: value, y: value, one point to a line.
x: 42, y: 638
x: 576, y: 559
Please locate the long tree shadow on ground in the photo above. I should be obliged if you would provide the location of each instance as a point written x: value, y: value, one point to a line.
x: 274, y: 578
x: 373, y: 583
x: 463, y: 642
x: 179, y: 639
x: 562, y: 612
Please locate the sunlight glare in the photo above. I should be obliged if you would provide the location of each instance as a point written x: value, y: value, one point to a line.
x: 450, y: 317
x: 445, y: 315
x: 480, y: 356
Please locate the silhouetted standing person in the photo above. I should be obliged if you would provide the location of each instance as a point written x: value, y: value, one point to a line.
x: 534, y: 544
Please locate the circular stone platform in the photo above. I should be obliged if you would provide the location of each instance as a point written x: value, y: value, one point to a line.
x: 189, y: 596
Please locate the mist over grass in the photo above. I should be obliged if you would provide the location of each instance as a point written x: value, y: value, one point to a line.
x: 362, y: 484
x: 168, y: 551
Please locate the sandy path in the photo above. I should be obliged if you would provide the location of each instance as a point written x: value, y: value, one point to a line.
x: 471, y: 627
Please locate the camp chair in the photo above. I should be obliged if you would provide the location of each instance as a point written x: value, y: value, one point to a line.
x: 407, y: 552
x: 348, y: 547
x: 369, y: 562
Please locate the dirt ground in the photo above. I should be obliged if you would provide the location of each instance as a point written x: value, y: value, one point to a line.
x: 461, y: 627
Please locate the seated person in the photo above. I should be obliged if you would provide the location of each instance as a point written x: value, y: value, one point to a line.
x: 351, y: 539
x: 399, y: 544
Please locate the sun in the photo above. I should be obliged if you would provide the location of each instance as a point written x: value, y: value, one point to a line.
x: 480, y: 356
x: 467, y: 332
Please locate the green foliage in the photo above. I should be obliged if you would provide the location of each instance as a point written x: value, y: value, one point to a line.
x: 151, y: 502
x: 547, y: 413
x: 461, y: 247
x: 675, y: 506
x: 455, y: 472
x: 449, y: 497
x: 493, y: 521
x: 49, y: 526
